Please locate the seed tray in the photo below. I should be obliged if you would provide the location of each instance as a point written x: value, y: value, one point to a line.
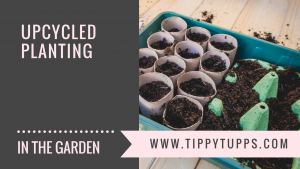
x: 248, y: 48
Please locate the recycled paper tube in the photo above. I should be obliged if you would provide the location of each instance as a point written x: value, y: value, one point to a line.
x: 157, y: 107
x: 201, y: 31
x: 158, y: 36
x: 175, y: 22
x: 192, y: 127
x: 215, y: 76
x: 193, y: 63
x: 174, y: 59
x: 196, y: 74
x: 146, y: 52
x: 224, y: 38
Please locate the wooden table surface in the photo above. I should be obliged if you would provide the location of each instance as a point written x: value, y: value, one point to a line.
x: 280, y: 17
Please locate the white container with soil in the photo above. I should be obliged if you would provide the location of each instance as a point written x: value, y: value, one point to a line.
x: 183, y: 113
x: 199, y: 35
x: 162, y: 43
x: 190, y: 52
x: 215, y: 64
x: 155, y: 91
x: 175, y: 26
x: 147, y: 58
x: 197, y: 85
x: 172, y: 66
x: 224, y: 43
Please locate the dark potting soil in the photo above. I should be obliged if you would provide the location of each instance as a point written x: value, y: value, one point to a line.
x: 169, y: 69
x: 223, y: 45
x: 174, y: 30
x: 266, y: 36
x: 182, y: 113
x: 280, y: 115
x: 197, y: 87
x: 197, y: 37
x: 157, y: 118
x: 187, y: 55
x: 154, y: 91
x: 162, y: 44
x: 239, y: 97
x: 208, y: 17
x: 269, y: 163
x: 214, y: 64
x: 146, y: 62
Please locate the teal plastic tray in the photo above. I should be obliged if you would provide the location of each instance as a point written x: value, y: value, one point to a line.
x: 248, y: 48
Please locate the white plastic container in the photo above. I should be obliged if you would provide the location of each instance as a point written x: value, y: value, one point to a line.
x: 196, y: 74
x: 174, y: 59
x: 215, y: 76
x: 192, y: 127
x: 192, y: 63
x: 201, y: 31
x: 147, y: 52
x: 175, y: 22
x: 157, y: 107
x: 224, y: 38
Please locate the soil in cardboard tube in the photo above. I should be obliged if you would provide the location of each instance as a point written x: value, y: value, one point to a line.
x: 197, y: 87
x: 146, y: 62
x: 197, y: 37
x: 214, y: 64
x: 174, y: 30
x: 182, y: 113
x: 185, y: 54
x: 169, y: 69
x: 154, y: 91
x: 160, y: 45
x: 223, y: 45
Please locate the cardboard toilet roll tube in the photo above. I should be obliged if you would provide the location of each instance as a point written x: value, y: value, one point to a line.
x: 201, y: 31
x: 174, y: 59
x: 193, y: 63
x: 146, y: 52
x: 224, y: 38
x: 157, y: 107
x: 192, y: 127
x: 158, y: 36
x: 215, y: 76
x: 196, y: 74
x: 175, y: 22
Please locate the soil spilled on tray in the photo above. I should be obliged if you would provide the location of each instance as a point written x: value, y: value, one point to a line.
x: 169, y: 69
x: 182, y: 113
x: 160, y: 45
x: 223, y: 45
x: 154, y: 91
x: 187, y: 55
x: 214, y: 64
x: 197, y: 87
x: 146, y: 62
x: 265, y: 36
x: 197, y: 37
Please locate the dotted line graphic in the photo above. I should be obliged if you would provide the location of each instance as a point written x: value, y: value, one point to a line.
x: 65, y: 131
